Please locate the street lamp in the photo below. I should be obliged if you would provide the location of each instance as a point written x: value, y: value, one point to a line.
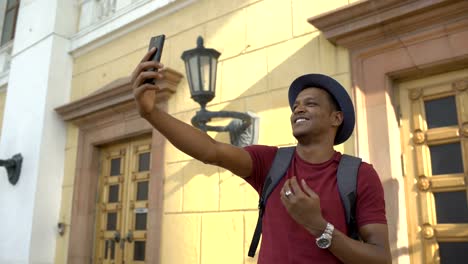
x: 200, y: 66
x: 13, y: 167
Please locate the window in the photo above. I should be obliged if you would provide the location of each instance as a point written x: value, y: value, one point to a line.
x: 9, y: 22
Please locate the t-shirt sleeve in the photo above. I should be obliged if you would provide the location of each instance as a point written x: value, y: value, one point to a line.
x: 262, y: 159
x: 370, y: 203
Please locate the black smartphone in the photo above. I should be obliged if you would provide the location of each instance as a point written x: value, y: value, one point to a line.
x: 157, y: 42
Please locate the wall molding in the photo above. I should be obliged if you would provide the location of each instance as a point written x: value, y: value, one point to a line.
x: 368, y: 22
x: 114, y: 97
x: 106, y: 116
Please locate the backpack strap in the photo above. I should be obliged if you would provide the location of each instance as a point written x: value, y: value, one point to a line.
x: 346, y: 179
x: 277, y: 170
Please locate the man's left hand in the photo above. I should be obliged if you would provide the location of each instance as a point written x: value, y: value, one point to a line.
x: 303, y: 205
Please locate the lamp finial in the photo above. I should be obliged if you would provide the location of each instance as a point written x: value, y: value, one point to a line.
x: 199, y: 42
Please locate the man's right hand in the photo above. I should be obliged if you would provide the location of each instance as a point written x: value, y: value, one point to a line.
x: 145, y: 93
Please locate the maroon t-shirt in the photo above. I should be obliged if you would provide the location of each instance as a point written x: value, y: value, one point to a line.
x: 285, y: 241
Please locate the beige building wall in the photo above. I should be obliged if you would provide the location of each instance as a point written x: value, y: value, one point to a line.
x: 209, y: 214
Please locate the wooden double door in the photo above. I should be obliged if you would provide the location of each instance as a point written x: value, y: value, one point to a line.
x: 122, y: 203
x: 434, y: 132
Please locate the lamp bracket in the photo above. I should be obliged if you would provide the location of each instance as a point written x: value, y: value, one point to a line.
x: 243, y: 129
x: 13, y: 167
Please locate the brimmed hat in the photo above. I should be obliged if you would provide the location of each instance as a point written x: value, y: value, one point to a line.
x: 337, y: 91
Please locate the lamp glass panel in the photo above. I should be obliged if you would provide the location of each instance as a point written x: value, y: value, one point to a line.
x: 195, y: 73
x: 214, y: 65
x: 205, y: 71
x: 189, y: 75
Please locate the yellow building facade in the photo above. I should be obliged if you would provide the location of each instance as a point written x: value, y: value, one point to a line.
x: 128, y: 195
x: 99, y: 185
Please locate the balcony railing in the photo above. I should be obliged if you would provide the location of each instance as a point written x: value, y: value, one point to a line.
x: 101, y: 21
x: 92, y: 11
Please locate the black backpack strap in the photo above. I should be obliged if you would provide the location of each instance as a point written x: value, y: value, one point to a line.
x: 277, y: 170
x: 346, y: 179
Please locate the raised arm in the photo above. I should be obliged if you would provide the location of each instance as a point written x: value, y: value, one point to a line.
x: 186, y: 138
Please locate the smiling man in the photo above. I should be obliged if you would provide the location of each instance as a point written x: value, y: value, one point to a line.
x: 306, y: 204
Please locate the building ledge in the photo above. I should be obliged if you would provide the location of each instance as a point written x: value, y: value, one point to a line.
x: 367, y: 22
x: 115, y: 97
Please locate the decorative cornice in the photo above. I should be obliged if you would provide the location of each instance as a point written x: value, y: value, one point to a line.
x: 364, y: 23
x: 114, y: 95
x: 124, y: 21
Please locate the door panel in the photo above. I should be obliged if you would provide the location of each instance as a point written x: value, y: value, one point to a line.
x: 434, y: 132
x: 111, y: 194
x: 121, y: 221
x: 137, y: 213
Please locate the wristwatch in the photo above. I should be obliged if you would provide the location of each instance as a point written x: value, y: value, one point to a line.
x: 324, y: 241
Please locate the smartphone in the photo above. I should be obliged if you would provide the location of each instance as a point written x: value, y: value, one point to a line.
x: 157, y: 42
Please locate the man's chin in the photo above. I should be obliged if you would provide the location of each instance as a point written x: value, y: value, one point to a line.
x: 299, y: 134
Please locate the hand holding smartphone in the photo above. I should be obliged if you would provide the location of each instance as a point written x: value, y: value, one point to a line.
x: 158, y: 43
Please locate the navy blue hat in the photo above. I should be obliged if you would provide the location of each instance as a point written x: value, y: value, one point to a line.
x: 337, y: 91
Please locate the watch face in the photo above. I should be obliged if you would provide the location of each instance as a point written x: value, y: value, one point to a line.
x: 323, y: 242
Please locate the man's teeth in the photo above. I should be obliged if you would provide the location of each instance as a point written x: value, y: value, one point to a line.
x: 300, y: 120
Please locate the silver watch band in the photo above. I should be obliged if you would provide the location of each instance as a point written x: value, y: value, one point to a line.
x: 329, y: 229
x: 324, y: 241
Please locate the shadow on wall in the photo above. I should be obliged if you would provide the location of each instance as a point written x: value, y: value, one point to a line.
x: 391, y: 189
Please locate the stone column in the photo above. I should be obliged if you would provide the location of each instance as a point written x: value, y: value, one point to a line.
x: 39, y: 81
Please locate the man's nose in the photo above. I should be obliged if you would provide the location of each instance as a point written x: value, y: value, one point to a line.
x: 299, y: 109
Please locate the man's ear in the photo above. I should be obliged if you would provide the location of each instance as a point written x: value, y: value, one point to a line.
x: 337, y: 118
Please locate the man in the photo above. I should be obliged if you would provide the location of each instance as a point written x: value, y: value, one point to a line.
x: 306, y: 203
